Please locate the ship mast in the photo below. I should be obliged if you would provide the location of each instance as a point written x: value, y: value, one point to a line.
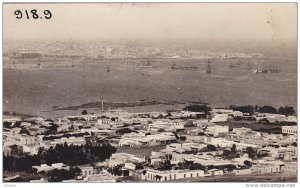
x: 148, y: 62
x: 208, y: 70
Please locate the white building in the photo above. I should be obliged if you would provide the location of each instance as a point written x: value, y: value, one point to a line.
x: 216, y: 130
x: 122, y: 158
x: 45, y: 167
x: 289, y: 130
x: 169, y: 175
x: 219, y: 118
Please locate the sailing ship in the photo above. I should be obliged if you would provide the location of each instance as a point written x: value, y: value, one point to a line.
x: 148, y: 64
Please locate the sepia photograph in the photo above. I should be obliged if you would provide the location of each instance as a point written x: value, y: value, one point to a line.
x: 150, y: 92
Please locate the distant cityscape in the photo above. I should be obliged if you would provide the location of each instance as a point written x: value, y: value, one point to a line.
x: 108, y: 49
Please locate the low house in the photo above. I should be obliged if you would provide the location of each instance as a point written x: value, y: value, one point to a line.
x: 291, y: 168
x: 103, y: 177
x: 291, y: 138
x: 31, y: 150
x: 128, y: 169
x: 292, y: 130
x: 287, y: 153
x: 175, y: 147
x: 122, y: 158
x: 266, y: 167
x: 197, y: 139
x: 241, y: 130
x: 216, y: 172
x: 86, y: 170
x: 221, y: 111
x: 201, y: 122
x: 78, y: 141
x: 216, y: 130
x: 156, y: 161
x: 272, y: 118
x: 237, y: 114
x: 291, y: 119
x: 169, y: 175
x: 63, y: 127
x: 141, y: 140
x: 45, y: 167
x: 240, y: 172
x: 219, y: 118
x: 42, y: 180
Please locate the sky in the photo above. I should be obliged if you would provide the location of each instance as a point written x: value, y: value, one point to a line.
x: 197, y: 21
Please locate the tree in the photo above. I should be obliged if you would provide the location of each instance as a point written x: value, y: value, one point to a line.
x: 226, y: 154
x: 197, y: 108
x: 245, y: 109
x: 24, y: 131
x: 17, y: 124
x: 230, y: 154
x: 139, y: 166
x: 211, y: 147
x: 84, y: 112
x: 286, y: 110
x: 166, y: 165
x: 248, y: 163
x: 229, y: 167
x: 189, y: 124
x: 197, y: 166
x: 59, y: 175
x: 233, y: 150
x: 124, y: 130
x: 251, y: 153
x: 116, y: 170
x: 267, y: 109
x: 126, y: 125
x: 182, y: 138
x: 7, y: 124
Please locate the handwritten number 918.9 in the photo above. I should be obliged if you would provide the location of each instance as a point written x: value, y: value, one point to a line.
x: 33, y: 14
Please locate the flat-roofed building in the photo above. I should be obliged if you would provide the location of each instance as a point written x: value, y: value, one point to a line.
x: 289, y: 130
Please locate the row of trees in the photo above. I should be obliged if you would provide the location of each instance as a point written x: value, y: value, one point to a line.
x: 69, y: 155
x: 190, y: 165
x: 76, y: 155
x: 60, y: 175
x: 8, y: 125
x: 197, y: 108
x: 287, y: 110
x: 14, y: 164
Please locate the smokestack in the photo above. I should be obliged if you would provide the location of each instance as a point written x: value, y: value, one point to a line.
x: 102, y: 104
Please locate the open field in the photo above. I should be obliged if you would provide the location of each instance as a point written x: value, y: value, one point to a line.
x: 34, y: 90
